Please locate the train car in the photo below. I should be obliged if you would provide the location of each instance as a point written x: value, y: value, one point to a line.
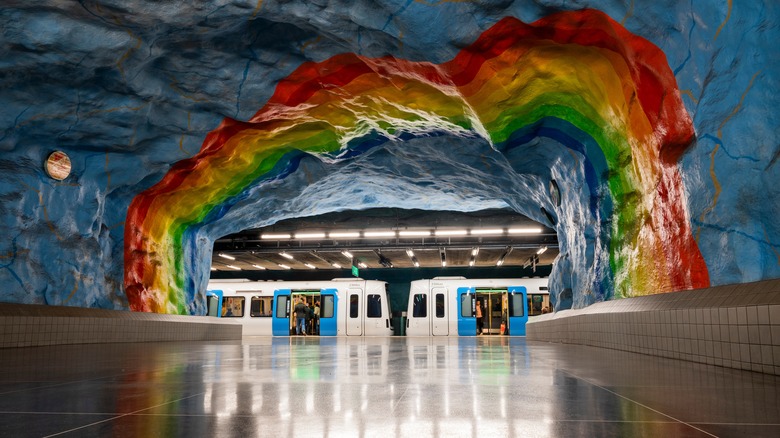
x: 449, y: 306
x: 347, y: 307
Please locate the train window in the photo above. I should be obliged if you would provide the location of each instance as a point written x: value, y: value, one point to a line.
x: 281, y: 306
x: 260, y: 307
x: 233, y: 307
x: 535, y: 304
x: 353, y: 306
x: 467, y: 305
x: 440, y: 305
x: 374, y: 306
x: 326, y: 311
x: 516, y: 305
x: 420, y: 309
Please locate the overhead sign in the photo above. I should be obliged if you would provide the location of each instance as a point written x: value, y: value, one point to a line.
x: 355, y: 271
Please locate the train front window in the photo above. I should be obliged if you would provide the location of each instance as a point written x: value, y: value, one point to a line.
x: 353, y: 306
x: 420, y: 306
x: 374, y: 306
x: 440, y: 305
x: 233, y: 307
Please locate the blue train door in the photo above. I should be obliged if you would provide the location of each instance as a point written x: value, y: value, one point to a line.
x: 329, y: 301
x: 280, y: 325
x: 467, y: 323
x: 518, y: 310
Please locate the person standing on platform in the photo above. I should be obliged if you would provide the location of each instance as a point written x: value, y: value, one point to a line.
x: 478, y: 314
x: 316, y: 317
x: 300, y: 317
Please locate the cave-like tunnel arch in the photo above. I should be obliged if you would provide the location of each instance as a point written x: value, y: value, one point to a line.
x: 572, y: 97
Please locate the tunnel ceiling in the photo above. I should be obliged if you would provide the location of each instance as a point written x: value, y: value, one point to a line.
x: 642, y: 134
x: 495, y: 235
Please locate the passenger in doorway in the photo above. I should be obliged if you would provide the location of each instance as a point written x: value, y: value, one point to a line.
x: 300, y: 317
x: 480, y: 323
x: 545, y: 310
x: 316, y: 317
x: 310, y: 318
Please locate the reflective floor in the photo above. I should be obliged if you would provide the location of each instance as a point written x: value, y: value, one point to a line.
x: 409, y: 387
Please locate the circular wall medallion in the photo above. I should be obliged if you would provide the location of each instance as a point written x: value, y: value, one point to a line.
x: 58, y: 165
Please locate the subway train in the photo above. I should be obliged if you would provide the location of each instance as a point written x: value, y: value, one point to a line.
x: 350, y: 306
x: 456, y: 306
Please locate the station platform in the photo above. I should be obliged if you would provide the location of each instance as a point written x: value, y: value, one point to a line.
x: 371, y: 386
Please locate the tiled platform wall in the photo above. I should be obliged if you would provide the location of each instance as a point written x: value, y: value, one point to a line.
x: 735, y: 326
x: 24, y: 325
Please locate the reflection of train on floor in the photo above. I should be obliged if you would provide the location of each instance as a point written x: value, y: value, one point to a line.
x: 456, y: 306
x: 352, y: 307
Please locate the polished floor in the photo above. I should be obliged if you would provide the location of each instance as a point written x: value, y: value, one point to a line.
x: 352, y: 387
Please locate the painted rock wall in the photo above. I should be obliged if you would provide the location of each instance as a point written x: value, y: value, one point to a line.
x: 657, y: 123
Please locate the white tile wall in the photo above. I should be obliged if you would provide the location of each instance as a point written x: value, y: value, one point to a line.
x: 735, y: 326
x: 32, y: 325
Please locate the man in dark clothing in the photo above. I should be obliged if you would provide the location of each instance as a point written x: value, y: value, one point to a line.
x: 301, y: 310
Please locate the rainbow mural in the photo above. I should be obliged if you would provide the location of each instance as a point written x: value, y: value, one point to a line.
x: 577, y: 77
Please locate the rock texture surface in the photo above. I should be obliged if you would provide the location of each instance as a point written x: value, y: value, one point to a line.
x: 131, y: 90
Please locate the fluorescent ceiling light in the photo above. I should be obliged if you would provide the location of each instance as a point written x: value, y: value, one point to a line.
x: 451, y: 232
x: 336, y: 265
x: 285, y: 255
x: 444, y: 262
x: 485, y: 231
x: 471, y: 262
x: 410, y: 253
x: 226, y: 256
x: 309, y: 235
x: 474, y: 252
x: 234, y: 267
x: 213, y: 268
x: 284, y: 266
x: 542, y: 250
x: 525, y: 230
x: 414, y: 233
x: 310, y: 266
x: 275, y: 236
x: 344, y: 234
x: 416, y: 264
x: 363, y: 265
x: 500, y: 262
x: 378, y: 233
x: 259, y: 267
x: 347, y: 254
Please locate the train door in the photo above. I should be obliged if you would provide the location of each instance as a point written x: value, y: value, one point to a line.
x: 375, y: 324
x: 467, y: 323
x: 354, y: 314
x: 308, y: 298
x: 440, y: 320
x: 329, y: 312
x: 518, y: 310
x: 493, y: 308
x: 417, y: 322
x: 280, y: 326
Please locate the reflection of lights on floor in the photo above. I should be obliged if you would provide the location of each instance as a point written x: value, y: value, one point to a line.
x: 257, y: 399
x: 309, y: 402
